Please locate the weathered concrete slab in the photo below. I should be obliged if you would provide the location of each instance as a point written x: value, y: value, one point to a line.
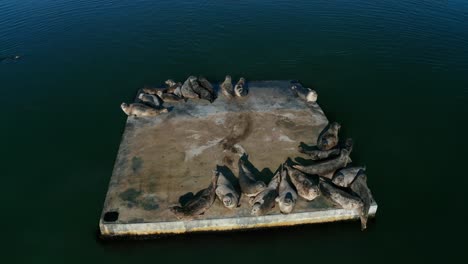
x: 164, y: 157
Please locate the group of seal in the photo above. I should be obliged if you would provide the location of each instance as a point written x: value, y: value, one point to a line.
x: 330, y: 176
x: 151, y: 99
x: 344, y: 185
x: 230, y: 91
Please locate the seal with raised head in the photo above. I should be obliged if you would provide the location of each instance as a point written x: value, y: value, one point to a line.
x: 249, y: 185
x: 265, y: 200
x: 226, y: 192
x: 328, y: 138
x: 324, y: 168
x: 305, y: 186
x: 172, y: 86
x: 359, y: 187
x: 186, y: 89
x: 151, y: 100
x: 287, y: 196
x: 240, y: 89
x: 345, y: 200
x: 346, y: 176
x: 226, y: 87
x: 141, y: 110
x: 199, y: 203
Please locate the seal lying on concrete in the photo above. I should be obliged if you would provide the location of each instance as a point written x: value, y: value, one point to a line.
x: 249, y: 185
x: 141, y: 110
x: 226, y: 87
x: 187, y: 91
x: 317, y: 154
x: 265, y: 200
x: 328, y: 138
x: 287, y: 196
x: 171, y: 98
x: 305, y: 94
x: 359, y: 187
x: 323, y: 168
x: 200, y: 90
x: 306, y: 187
x: 346, y: 176
x: 154, y: 91
x: 345, y: 200
x: 240, y: 89
x: 206, y: 84
x: 226, y: 192
x: 199, y: 203
x: 151, y: 100
x: 172, y: 87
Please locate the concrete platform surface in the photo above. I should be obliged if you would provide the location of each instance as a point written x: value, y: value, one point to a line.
x: 164, y: 157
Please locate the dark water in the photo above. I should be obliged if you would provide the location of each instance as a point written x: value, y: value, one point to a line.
x: 394, y: 73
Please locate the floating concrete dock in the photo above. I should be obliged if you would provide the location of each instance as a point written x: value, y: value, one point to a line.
x: 162, y: 158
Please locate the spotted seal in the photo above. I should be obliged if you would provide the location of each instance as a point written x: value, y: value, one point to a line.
x: 317, y: 154
x: 240, y: 89
x: 206, y: 84
x: 226, y: 87
x: 287, y: 196
x: 305, y: 186
x: 359, y: 187
x: 200, y: 90
x: 199, y: 203
x: 168, y: 97
x: 328, y: 138
x: 172, y: 86
x: 346, y: 176
x: 226, y: 192
x: 344, y: 199
x: 186, y: 89
x: 324, y: 168
x: 249, y: 185
x: 141, y: 110
x: 265, y: 200
x: 151, y: 100
x: 154, y: 91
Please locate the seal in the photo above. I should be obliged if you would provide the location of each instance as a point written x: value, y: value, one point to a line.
x: 154, y: 91
x: 150, y: 100
x: 328, y: 138
x: 199, y: 203
x: 305, y: 186
x: 306, y: 94
x: 202, y: 92
x: 240, y: 89
x: 171, y: 98
x: 323, y: 168
x: 265, y: 200
x: 186, y: 89
x: 226, y: 192
x: 249, y: 185
x: 345, y: 177
x: 141, y: 110
x: 172, y: 86
x: 345, y: 200
x: 226, y: 87
x: 287, y: 196
x: 359, y: 187
x: 317, y: 154
x: 206, y: 84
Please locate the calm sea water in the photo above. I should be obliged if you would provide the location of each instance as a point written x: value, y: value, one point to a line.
x: 394, y: 73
